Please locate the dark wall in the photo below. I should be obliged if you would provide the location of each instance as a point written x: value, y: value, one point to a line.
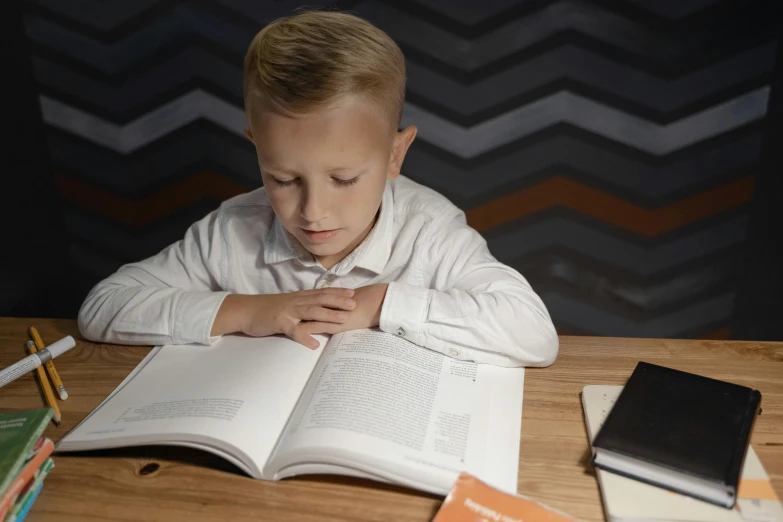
x: 619, y: 153
x: 35, y: 261
x: 759, y: 305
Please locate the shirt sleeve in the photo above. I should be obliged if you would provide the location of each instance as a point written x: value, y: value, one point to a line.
x: 471, y: 306
x: 169, y: 298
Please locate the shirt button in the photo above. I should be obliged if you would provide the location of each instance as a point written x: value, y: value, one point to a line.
x: 454, y: 352
x: 400, y: 332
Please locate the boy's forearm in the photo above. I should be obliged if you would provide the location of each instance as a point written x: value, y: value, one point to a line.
x: 500, y: 326
x: 232, y: 315
x: 119, y: 312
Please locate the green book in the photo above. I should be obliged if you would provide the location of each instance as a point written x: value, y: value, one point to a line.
x: 19, y: 431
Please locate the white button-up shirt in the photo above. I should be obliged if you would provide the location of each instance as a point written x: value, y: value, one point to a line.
x: 446, y: 291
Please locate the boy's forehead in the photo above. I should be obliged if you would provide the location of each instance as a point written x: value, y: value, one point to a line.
x: 348, y: 115
x: 342, y: 138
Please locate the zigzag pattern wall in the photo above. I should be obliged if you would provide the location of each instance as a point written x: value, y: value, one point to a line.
x: 606, y: 149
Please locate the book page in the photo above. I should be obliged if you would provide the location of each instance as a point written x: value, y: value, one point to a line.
x: 381, y: 404
x: 232, y: 398
x: 625, y: 498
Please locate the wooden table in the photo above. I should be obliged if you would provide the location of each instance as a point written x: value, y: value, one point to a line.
x: 180, y: 484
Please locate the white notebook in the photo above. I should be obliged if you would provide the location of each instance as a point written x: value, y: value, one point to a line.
x: 628, y: 500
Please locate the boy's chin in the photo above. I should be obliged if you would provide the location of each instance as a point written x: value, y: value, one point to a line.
x: 325, y: 249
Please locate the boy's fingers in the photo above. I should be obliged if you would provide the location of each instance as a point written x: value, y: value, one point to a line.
x: 319, y: 327
x: 302, y: 336
x: 319, y: 313
x: 335, y: 301
x: 345, y: 292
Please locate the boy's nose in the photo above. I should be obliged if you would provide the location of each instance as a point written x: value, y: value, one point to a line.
x: 312, y: 208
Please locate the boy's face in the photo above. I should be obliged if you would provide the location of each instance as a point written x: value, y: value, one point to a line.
x: 325, y: 173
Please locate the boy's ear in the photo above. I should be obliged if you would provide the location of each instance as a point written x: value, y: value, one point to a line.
x: 249, y: 134
x: 402, y: 141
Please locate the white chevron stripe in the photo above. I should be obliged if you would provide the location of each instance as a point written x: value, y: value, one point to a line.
x: 190, y: 107
x: 562, y: 107
x: 565, y: 107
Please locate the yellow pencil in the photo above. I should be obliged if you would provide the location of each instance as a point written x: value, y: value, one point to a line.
x: 47, y: 389
x: 50, y: 369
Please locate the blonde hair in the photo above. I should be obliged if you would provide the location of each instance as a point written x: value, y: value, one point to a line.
x: 313, y: 60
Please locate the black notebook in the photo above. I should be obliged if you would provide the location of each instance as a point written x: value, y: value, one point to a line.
x: 680, y: 431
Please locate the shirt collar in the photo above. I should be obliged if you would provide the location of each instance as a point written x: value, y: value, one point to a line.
x: 278, y: 247
x: 372, y: 254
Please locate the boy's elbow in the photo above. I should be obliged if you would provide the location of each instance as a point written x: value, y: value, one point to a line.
x: 91, y: 324
x: 538, y: 344
x: 86, y: 322
x: 543, y: 349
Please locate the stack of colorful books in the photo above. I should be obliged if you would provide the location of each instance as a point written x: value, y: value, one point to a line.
x: 25, y: 460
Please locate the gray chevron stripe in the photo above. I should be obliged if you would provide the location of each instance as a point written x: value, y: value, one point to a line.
x: 105, y: 15
x: 651, y: 182
x: 100, y: 14
x: 267, y: 11
x: 466, y: 143
x: 673, y: 10
x: 469, y: 12
x: 179, y: 112
x: 593, y: 70
x: 566, y: 62
x: 192, y: 63
x: 462, y: 53
x: 126, y: 246
x: 116, y: 57
x: 629, y: 295
x: 589, y: 318
x: 137, y: 176
x: 589, y: 115
x: 635, y: 258
x: 519, y: 34
x: 646, y: 182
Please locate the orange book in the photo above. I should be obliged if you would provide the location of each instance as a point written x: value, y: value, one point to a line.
x: 471, y: 500
x: 40, y: 454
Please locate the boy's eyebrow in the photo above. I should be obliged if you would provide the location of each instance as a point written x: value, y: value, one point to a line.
x: 333, y: 170
x: 281, y: 170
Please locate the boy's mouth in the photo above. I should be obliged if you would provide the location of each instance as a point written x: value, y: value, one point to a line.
x: 320, y: 236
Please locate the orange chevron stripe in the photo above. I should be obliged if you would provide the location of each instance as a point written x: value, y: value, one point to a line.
x: 138, y: 213
x: 565, y: 192
x: 721, y: 334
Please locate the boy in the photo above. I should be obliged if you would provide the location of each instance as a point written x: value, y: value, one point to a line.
x: 336, y: 239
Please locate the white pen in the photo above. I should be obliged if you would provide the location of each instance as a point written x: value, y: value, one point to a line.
x: 33, y: 361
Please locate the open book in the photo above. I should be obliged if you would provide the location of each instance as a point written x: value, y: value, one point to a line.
x: 366, y: 404
x: 626, y: 499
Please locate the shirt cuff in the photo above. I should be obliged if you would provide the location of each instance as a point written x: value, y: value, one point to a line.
x: 404, y: 311
x: 195, y: 315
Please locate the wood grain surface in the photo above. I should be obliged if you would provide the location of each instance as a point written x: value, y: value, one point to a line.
x: 165, y: 483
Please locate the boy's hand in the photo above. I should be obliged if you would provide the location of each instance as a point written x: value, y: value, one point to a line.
x: 295, y: 314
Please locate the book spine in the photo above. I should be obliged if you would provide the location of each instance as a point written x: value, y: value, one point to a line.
x: 22, y: 501
x: 14, y: 469
x: 19, y: 517
x: 735, y: 467
x: 27, y: 473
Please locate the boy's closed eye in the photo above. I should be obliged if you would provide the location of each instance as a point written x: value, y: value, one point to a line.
x: 294, y: 181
